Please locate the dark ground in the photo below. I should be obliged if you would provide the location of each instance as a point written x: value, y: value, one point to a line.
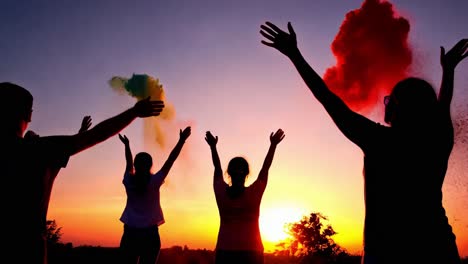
x: 66, y: 254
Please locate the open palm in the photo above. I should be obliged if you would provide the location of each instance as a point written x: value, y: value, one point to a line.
x: 286, y: 43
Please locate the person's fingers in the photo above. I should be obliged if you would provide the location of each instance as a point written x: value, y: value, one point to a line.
x: 274, y: 27
x: 156, y: 109
x: 158, y: 104
x: 442, y: 54
x: 267, y: 36
x: 464, y: 49
x: 464, y: 56
x: 291, y: 29
x: 267, y: 29
x: 460, y: 44
x: 268, y: 43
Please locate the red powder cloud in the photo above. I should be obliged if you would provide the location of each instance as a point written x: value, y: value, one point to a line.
x: 372, y: 54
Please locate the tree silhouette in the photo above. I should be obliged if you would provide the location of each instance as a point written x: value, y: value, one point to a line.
x: 311, y: 241
x: 54, y: 233
x: 58, y: 252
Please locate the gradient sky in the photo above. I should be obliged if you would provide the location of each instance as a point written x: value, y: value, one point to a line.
x: 219, y: 77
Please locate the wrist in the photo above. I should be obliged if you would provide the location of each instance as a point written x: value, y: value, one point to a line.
x: 133, y: 112
x: 448, y: 69
x: 294, y: 54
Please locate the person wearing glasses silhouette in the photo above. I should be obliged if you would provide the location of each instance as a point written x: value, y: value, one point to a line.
x: 405, y: 163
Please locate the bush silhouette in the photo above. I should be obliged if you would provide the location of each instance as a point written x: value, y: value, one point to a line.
x: 311, y: 241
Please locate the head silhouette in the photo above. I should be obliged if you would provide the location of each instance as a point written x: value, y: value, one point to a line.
x: 15, y: 107
x: 143, y: 163
x: 412, y: 102
x: 238, y: 170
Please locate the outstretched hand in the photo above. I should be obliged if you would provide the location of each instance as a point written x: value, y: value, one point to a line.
x: 85, y: 124
x: 286, y: 43
x: 277, y: 137
x: 185, y: 133
x: 124, y: 139
x: 451, y: 59
x: 146, y: 108
x: 210, y: 139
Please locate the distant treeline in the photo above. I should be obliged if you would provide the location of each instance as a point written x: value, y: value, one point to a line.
x: 67, y: 254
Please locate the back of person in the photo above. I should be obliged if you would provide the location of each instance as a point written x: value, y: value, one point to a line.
x: 403, y: 192
x: 30, y: 165
x: 30, y: 168
x: 239, y: 239
x: 239, y: 227
x: 404, y: 164
x: 143, y: 208
x: 142, y: 216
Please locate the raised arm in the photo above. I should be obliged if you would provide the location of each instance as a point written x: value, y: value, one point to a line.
x: 351, y: 124
x: 128, y: 153
x: 110, y: 127
x: 449, y: 61
x: 183, y: 135
x: 275, y: 139
x: 212, y: 141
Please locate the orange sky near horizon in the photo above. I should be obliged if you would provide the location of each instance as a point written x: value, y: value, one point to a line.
x: 297, y: 186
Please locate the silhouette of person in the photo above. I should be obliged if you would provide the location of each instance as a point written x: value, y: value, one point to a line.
x: 239, y: 239
x: 30, y: 166
x: 142, y: 216
x: 404, y: 163
x: 85, y: 125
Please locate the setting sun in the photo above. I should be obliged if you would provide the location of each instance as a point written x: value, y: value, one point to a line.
x: 273, y: 222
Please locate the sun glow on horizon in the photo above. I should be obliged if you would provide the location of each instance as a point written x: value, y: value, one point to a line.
x: 273, y: 222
